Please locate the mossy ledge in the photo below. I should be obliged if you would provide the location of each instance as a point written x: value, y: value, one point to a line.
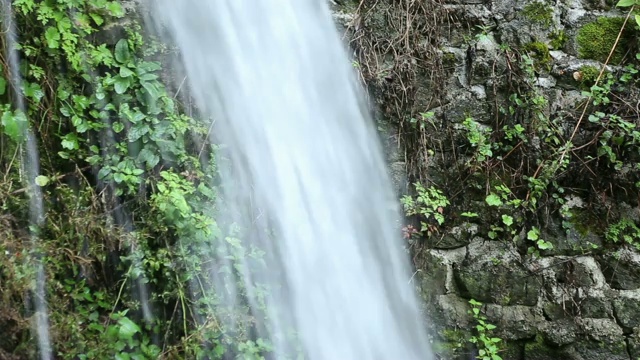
x: 596, y: 39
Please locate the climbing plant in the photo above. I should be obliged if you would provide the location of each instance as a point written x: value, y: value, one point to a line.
x: 128, y: 185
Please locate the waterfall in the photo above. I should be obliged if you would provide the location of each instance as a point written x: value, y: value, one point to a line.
x: 277, y: 80
x: 31, y: 169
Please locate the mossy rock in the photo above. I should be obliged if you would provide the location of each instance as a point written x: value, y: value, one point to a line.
x: 503, y: 284
x: 633, y: 344
x: 620, y: 269
x: 598, y: 350
x: 452, y: 344
x: 538, y: 13
x: 627, y: 312
x: 539, y: 350
x: 596, y: 39
x: 540, y: 54
x: 588, y: 75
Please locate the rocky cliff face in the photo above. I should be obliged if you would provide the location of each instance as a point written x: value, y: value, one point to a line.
x: 495, y: 109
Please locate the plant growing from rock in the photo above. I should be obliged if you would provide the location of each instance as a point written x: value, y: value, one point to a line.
x: 488, y: 346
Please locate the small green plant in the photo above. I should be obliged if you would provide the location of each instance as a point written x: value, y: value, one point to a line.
x: 423, y: 120
x: 629, y: 3
x: 478, y: 136
x: 624, y: 230
x: 488, y: 346
x: 430, y: 204
x: 540, y: 244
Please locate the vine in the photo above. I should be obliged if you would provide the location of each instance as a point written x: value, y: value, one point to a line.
x: 127, y: 187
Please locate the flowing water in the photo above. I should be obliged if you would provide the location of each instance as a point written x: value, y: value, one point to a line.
x: 275, y: 76
x: 31, y: 170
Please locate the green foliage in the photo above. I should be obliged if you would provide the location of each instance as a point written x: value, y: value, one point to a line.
x: 479, y: 138
x: 625, y: 231
x: 628, y: 3
x: 540, y: 244
x: 488, y: 346
x: 596, y: 39
x: 539, y: 12
x: 128, y: 197
x: 14, y: 123
x: 429, y: 204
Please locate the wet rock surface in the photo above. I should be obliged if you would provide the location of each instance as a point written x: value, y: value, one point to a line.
x: 576, y: 300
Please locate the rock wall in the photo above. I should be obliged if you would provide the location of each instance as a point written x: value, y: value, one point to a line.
x: 444, y: 62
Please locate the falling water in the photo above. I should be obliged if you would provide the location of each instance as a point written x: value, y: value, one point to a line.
x: 31, y: 170
x: 277, y: 80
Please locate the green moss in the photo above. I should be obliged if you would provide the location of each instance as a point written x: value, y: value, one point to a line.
x: 538, y: 349
x: 596, y: 39
x: 452, y: 343
x: 539, y: 13
x: 449, y: 59
x: 588, y: 74
x: 585, y: 222
x: 539, y: 52
x: 557, y: 39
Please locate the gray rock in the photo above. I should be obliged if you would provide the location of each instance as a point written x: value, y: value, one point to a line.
x: 457, y: 237
x: 451, y: 311
x: 621, y: 269
x: 539, y: 350
x: 513, y: 322
x: 627, y: 309
x: 633, y: 344
x: 559, y: 333
x: 491, y: 274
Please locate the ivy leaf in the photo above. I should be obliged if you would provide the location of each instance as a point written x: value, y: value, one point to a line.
x: 117, y: 127
x: 115, y: 9
x: 122, y: 84
x: 53, y: 37
x: 42, y: 180
x: 14, y: 125
x: 153, y: 91
x: 532, y: 234
x: 3, y: 85
x: 136, y: 132
x: 63, y: 94
x: 543, y: 245
x: 118, y: 177
x: 493, y: 200
x: 97, y: 19
x: 104, y: 172
x: 507, y: 220
x: 148, y: 77
x: 148, y: 157
x: 122, y: 51
x: 625, y: 3
x: 33, y: 91
x: 638, y: 19
x: 70, y: 141
x: 125, y: 72
x: 148, y: 66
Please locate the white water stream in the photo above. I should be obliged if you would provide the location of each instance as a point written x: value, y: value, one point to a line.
x: 276, y: 78
x: 30, y: 162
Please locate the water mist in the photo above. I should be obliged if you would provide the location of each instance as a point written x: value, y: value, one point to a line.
x: 275, y: 77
